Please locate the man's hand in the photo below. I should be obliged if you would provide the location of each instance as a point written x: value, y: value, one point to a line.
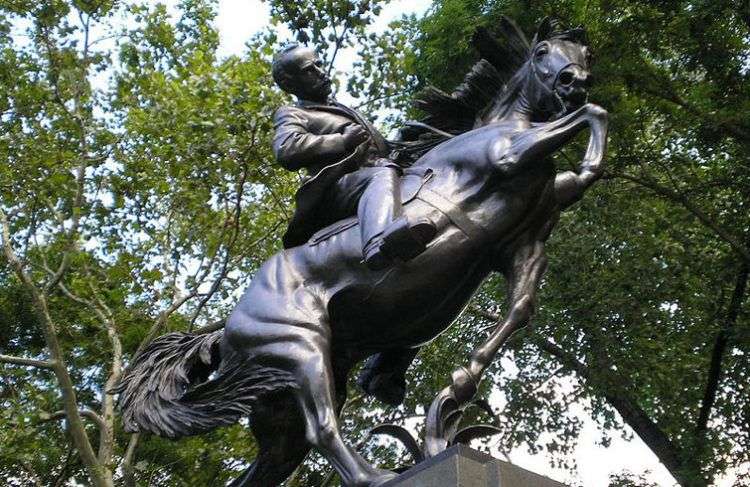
x: 354, y: 135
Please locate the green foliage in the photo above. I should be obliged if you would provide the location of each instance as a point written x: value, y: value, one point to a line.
x: 384, y: 74
x: 628, y: 479
x: 161, y: 151
x: 642, y: 274
x: 328, y: 24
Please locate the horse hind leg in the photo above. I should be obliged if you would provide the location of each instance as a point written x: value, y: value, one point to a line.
x: 315, y: 396
x: 279, y: 430
x: 299, y: 346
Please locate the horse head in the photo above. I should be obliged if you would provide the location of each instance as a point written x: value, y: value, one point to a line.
x: 538, y: 81
x: 557, y: 71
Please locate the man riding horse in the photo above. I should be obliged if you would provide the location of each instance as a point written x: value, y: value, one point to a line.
x: 347, y: 166
x: 313, y: 312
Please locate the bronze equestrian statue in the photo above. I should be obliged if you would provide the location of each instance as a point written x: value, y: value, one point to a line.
x: 315, y: 310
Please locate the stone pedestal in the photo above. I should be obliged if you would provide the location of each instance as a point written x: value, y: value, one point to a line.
x: 460, y: 466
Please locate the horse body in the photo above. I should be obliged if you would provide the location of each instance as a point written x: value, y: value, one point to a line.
x: 312, y: 312
x: 365, y: 311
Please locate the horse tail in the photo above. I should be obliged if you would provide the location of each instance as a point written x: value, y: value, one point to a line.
x: 181, y: 386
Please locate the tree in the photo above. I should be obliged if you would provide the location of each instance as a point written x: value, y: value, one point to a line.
x: 644, y: 304
x: 138, y: 195
x: 130, y: 207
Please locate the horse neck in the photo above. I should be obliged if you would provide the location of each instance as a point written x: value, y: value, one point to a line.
x: 521, y: 104
x: 520, y: 111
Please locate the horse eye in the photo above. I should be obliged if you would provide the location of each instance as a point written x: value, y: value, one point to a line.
x: 541, y: 52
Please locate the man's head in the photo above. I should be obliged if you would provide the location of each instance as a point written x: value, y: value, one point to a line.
x: 298, y: 70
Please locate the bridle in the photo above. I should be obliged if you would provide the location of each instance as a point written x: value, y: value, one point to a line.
x: 553, y: 91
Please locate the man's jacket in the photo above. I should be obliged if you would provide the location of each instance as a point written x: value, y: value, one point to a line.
x: 310, y: 135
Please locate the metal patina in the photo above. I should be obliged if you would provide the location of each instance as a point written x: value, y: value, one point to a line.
x: 477, y: 171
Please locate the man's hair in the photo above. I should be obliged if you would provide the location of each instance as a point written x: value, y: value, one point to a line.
x: 279, y: 67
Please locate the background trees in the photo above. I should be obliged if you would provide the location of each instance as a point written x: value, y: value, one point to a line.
x: 644, y: 300
x: 138, y: 195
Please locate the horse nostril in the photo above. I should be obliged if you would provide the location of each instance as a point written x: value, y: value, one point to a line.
x: 567, y: 78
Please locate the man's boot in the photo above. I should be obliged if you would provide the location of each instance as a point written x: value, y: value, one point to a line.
x: 402, y: 240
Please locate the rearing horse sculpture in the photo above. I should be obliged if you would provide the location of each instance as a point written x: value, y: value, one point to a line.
x: 287, y: 348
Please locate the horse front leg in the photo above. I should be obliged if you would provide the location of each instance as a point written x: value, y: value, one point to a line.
x: 570, y: 185
x: 543, y: 140
x: 523, y: 276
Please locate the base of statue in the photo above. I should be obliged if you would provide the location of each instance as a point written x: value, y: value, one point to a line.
x: 460, y: 466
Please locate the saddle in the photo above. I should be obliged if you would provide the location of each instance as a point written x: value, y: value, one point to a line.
x: 414, y: 185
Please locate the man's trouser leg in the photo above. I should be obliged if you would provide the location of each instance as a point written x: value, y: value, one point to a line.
x: 386, y: 235
x: 374, y: 194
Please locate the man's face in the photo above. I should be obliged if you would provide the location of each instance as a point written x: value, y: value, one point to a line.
x: 309, y: 79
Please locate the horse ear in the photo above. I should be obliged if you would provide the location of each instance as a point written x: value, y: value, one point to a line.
x: 579, y: 35
x: 544, y: 30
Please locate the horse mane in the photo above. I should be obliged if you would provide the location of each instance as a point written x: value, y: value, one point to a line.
x: 487, y: 91
x: 502, y: 55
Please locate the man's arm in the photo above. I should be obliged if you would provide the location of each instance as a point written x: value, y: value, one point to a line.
x: 295, y: 147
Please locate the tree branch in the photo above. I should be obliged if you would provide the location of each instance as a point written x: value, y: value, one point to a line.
x: 705, y: 219
x: 489, y: 316
x: 128, y: 473
x: 104, y: 313
x: 85, y: 413
x: 719, y: 349
x: 229, y: 247
x: 42, y: 364
x: 377, y: 99
x: 60, y: 478
x: 743, y: 11
x: 215, y: 326
x: 30, y: 471
x: 79, y: 197
x: 99, y: 475
x: 153, y: 332
x: 339, y: 42
x: 737, y: 131
x: 669, y: 454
